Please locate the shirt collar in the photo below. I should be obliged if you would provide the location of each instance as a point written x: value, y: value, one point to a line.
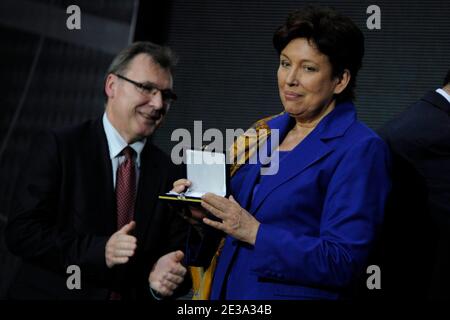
x: 444, y: 94
x: 116, y: 143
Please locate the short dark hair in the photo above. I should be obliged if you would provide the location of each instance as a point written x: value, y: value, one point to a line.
x: 447, y: 78
x: 333, y: 34
x: 161, y: 55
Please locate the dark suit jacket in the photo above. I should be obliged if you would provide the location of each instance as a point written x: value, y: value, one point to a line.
x: 416, y: 242
x: 65, y: 213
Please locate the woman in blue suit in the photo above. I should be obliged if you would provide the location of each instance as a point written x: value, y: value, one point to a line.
x: 304, y: 231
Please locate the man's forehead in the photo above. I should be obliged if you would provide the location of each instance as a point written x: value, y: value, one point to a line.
x: 144, y: 66
x: 142, y: 61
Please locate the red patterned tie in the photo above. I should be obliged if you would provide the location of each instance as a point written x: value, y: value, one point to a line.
x: 125, y: 188
x: 125, y: 195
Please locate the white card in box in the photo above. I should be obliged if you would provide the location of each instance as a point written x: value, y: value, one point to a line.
x: 207, y: 172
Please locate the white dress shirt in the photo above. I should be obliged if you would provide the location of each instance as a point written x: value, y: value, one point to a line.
x: 444, y: 94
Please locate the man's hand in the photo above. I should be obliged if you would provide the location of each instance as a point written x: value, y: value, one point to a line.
x: 167, y: 273
x: 181, y: 185
x: 197, y: 213
x: 121, y: 246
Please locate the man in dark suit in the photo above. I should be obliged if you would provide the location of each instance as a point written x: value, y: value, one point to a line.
x: 416, y: 238
x: 89, y: 196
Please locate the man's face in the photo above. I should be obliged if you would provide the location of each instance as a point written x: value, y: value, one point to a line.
x: 134, y: 113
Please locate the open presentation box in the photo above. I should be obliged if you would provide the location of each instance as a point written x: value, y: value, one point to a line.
x: 207, y: 171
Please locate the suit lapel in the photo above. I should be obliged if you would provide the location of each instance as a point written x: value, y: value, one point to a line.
x: 280, y: 123
x: 99, y: 165
x: 309, y: 151
x: 248, y: 183
x: 149, y: 186
x: 437, y: 100
x: 313, y: 148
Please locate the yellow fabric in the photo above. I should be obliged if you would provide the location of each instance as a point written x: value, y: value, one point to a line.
x: 202, y: 279
x: 241, y: 150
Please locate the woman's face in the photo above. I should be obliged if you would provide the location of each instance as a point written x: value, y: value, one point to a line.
x: 305, y: 80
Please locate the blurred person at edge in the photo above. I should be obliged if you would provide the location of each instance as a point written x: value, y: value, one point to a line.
x: 416, y: 231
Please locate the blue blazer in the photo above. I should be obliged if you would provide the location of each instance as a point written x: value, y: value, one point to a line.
x: 319, y: 214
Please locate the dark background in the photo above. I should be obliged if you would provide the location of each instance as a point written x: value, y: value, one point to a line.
x: 52, y: 77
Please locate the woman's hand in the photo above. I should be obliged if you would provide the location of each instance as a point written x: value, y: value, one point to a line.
x: 236, y: 221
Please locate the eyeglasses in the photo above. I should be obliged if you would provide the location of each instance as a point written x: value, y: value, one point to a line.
x: 150, y: 89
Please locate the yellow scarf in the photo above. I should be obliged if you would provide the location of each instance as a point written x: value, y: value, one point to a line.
x: 241, y: 150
